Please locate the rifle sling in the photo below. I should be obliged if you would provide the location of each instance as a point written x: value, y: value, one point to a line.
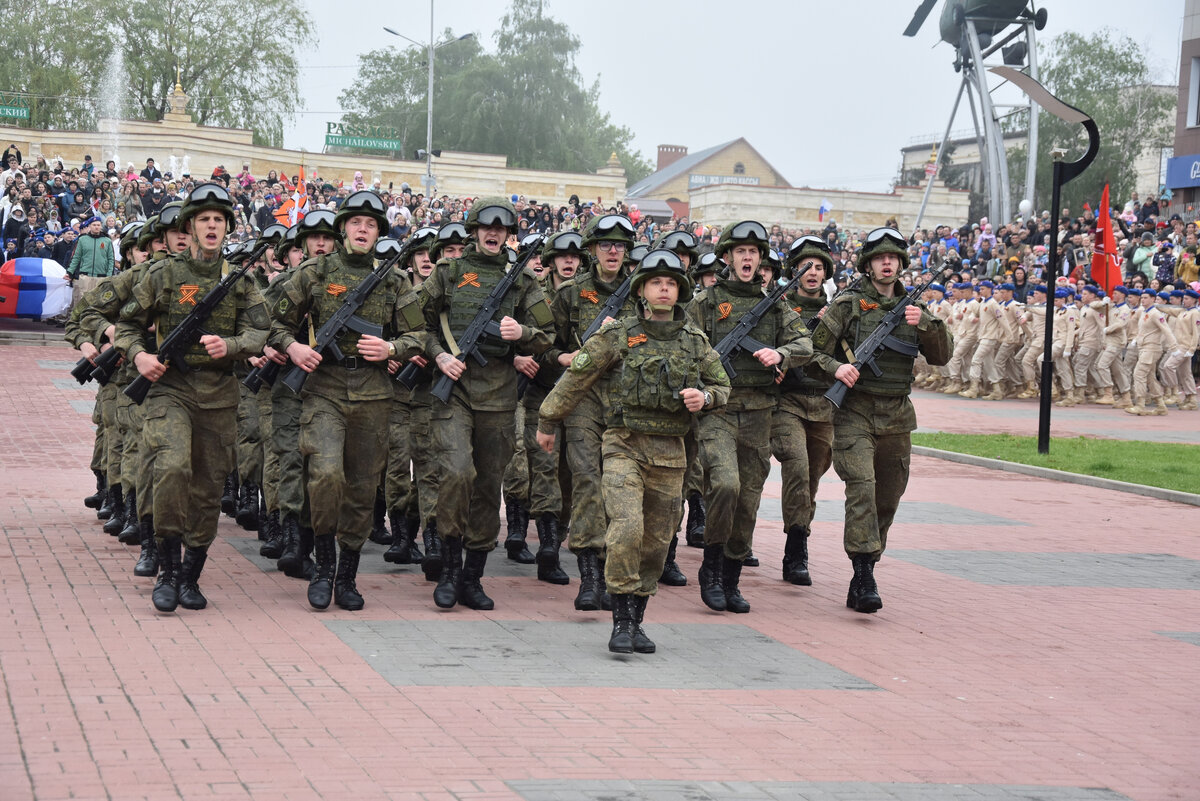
x: 449, y: 335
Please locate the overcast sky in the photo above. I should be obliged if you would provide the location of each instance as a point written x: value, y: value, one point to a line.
x: 827, y: 91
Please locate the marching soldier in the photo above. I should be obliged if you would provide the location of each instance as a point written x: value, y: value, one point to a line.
x: 735, y: 440
x: 666, y: 371
x: 1116, y: 339
x: 872, y: 442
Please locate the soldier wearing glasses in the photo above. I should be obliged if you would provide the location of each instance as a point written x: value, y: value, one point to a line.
x: 190, y: 419
x: 872, y: 443
x: 607, y: 239
x: 735, y: 441
x: 802, y: 426
x: 473, y: 434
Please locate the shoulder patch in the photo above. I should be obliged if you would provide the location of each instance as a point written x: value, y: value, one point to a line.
x: 581, y: 362
x: 820, y: 337
x: 108, y: 295
x: 130, y: 308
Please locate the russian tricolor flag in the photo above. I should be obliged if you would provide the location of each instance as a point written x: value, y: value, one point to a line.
x: 33, y: 288
x: 825, y: 208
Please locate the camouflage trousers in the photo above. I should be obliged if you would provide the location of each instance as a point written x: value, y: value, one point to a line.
x: 584, y: 430
x: 191, y: 451
x: 399, y: 489
x: 249, y: 439
x: 472, y: 448
x: 270, y: 460
x: 874, y: 467
x: 107, y: 399
x: 129, y: 419
x: 344, y: 444
x: 549, y: 478
x: 644, y: 502
x: 286, y: 408
x: 425, y: 463
x: 804, y: 448
x: 516, y: 473
x: 98, y: 443
x: 736, y: 449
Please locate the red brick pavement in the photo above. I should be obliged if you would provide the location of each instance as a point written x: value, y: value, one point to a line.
x: 255, y: 697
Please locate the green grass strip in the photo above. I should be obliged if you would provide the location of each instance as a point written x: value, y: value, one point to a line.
x: 1156, y: 464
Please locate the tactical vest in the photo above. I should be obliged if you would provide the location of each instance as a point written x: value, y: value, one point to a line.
x: 807, y: 379
x: 588, y: 296
x: 338, y: 277
x: 471, y: 280
x: 183, y: 289
x: 645, y: 396
x: 726, y: 309
x: 896, y: 369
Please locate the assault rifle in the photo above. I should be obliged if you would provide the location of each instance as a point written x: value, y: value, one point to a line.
x: 346, y: 317
x: 482, y: 325
x: 739, y: 338
x: 816, y: 318
x: 881, y: 338
x: 188, y: 332
x: 611, y: 308
x: 105, y: 366
x: 82, y: 371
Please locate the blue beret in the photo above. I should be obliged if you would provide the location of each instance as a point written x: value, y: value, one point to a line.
x: 1040, y: 288
x: 1011, y: 287
x: 964, y: 285
x: 1191, y: 293
x: 1164, y: 295
x: 1061, y: 293
x: 1177, y: 293
x: 90, y: 220
x: 1133, y: 291
x: 937, y: 287
x: 1124, y: 290
x: 987, y: 284
x: 1095, y: 290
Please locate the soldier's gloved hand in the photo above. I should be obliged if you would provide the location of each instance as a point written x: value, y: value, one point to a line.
x: 912, y: 314
x: 545, y: 442
x: 1066, y: 354
x: 1133, y: 343
x: 526, y: 365
x: 215, y: 346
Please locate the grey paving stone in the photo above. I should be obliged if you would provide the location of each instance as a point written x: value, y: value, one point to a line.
x: 57, y: 364
x: 69, y: 383
x: 1192, y: 637
x: 1122, y: 570
x: 522, y: 653
x: 498, y: 566
x: 926, y: 513
x: 598, y: 790
x: 84, y: 405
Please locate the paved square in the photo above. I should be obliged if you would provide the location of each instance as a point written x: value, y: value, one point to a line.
x: 1125, y: 570
x: 1192, y: 637
x: 554, y: 790
x: 925, y: 513
x: 523, y: 653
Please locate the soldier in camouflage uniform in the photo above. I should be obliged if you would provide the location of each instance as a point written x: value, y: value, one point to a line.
x: 346, y: 403
x: 872, y: 444
x: 666, y: 371
x: 577, y: 303
x: 190, y: 418
x: 735, y: 441
x: 802, y: 425
x: 703, y: 275
x: 473, y: 433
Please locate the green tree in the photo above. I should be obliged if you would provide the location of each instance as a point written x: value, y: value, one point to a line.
x: 1107, y: 76
x: 527, y: 101
x: 238, y: 61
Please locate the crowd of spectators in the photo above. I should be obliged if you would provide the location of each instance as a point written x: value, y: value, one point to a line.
x: 45, y: 207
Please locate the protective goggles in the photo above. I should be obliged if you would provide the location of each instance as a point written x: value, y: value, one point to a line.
x: 321, y: 218
x: 210, y: 193
x: 748, y: 230
x: 678, y: 240
x: 490, y: 216
x: 366, y: 201
x: 610, y: 222
x: 567, y: 242
x: 889, y: 235
x: 661, y: 259
x: 809, y: 241
x: 451, y: 233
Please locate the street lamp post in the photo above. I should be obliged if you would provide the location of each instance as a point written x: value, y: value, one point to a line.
x: 429, y: 46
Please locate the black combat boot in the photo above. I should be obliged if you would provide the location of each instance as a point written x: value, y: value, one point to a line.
x: 96, y: 499
x: 412, y: 525
x: 147, y: 564
x: 470, y: 590
x: 289, y: 556
x: 672, y: 576
x: 116, y: 521
x: 864, y: 595
x: 605, y: 597
x: 694, y: 530
x: 750, y: 561
x: 431, y: 566
x: 306, y: 567
x: 401, y: 551
x: 711, y: 591
x: 229, y: 495
x: 345, y: 593
x: 445, y: 594
x: 379, y: 529
x: 190, y: 596
x: 166, y: 590
x: 517, y: 516
x: 131, y: 534
x: 795, y: 557
x: 731, y: 574
x: 247, y: 510
x: 641, y: 643
x: 589, y: 595
x: 624, y: 614
x: 320, y: 586
x: 110, y: 503
x: 549, y: 569
x: 272, y: 548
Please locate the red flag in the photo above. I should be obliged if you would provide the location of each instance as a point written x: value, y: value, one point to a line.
x: 1106, y: 268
